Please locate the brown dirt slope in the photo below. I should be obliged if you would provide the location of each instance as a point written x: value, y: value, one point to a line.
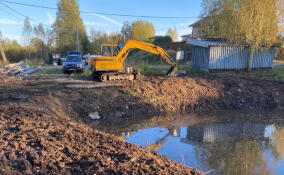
x: 34, y: 140
x: 209, y: 92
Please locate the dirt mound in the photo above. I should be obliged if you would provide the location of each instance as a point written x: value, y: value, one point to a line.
x: 149, y: 95
x: 34, y: 140
x: 174, y: 94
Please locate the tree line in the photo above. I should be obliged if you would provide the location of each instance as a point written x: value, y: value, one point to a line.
x: 39, y: 41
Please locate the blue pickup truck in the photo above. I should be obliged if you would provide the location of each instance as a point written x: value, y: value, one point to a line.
x: 73, y: 63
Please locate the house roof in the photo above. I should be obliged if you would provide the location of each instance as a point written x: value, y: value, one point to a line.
x: 206, y: 43
x: 188, y: 35
x: 175, y: 45
x: 199, y: 22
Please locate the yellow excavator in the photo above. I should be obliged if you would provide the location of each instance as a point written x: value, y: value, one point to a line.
x: 110, y: 65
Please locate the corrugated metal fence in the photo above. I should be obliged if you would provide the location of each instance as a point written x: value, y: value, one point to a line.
x: 200, y: 57
x: 230, y: 57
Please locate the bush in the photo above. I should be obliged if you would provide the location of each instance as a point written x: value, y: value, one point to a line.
x: 280, y: 53
x: 161, y: 39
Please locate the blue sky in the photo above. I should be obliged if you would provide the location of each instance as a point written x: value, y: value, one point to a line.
x: 11, y: 24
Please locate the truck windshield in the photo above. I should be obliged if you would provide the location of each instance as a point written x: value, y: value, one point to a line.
x: 73, y: 59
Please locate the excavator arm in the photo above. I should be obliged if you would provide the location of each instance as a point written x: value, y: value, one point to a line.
x: 148, y: 47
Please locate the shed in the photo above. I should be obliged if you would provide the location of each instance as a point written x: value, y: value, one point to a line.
x: 214, y: 55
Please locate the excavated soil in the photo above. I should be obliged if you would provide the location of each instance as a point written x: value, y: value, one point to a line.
x: 209, y: 92
x: 36, y: 140
x: 44, y: 124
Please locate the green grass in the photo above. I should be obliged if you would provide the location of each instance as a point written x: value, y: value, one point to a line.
x: 279, y: 61
x: 56, y: 70
x: 147, y: 70
x: 85, y: 73
x: 277, y: 73
x: 191, y: 70
x: 35, y: 62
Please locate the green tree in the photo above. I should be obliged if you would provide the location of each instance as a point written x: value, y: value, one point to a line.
x: 252, y: 23
x: 173, y: 34
x: 13, y: 50
x: 161, y: 39
x: 99, y: 37
x: 68, y: 22
x: 142, y: 30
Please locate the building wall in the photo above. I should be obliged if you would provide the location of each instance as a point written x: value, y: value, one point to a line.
x: 195, y: 33
x: 226, y: 57
x: 263, y: 58
x: 200, y: 57
x: 229, y: 57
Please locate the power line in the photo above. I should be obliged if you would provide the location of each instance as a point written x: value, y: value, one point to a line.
x: 106, y: 14
x: 21, y: 14
x: 10, y: 13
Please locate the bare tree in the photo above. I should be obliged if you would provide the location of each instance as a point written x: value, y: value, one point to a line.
x: 126, y: 31
x: 27, y: 35
x: 173, y: 34
x: 2, y: 50
x: 41, y: 35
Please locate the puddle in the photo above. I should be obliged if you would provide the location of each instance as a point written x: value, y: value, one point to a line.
x: 224, y: 143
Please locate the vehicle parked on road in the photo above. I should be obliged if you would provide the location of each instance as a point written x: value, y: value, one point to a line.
x: 73, y: 63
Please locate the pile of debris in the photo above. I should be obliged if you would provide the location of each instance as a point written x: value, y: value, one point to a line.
x: 16, y: 71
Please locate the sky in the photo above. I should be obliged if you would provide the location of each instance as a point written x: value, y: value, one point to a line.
x: 11, y: 23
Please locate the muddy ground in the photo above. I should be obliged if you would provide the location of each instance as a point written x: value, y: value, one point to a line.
x: 45, y: 125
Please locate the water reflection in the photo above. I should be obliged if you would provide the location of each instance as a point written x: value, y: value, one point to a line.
x: 230, y: 147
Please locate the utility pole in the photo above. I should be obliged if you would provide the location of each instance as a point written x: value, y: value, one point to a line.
x: 77, y: 36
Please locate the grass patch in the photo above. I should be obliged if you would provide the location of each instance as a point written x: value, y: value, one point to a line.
x: 56, y: 70
x: 148, y: 70
x: 85, y: 73
x: 125, y: 91
x: 35, y: 62
x: 277, y: 73
x: 191, y: 70
x: 278, y: 61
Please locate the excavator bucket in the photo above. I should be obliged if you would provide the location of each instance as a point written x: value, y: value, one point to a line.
x: 172, y: 72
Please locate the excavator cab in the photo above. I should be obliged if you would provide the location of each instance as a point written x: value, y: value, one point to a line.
x: 109, y: 50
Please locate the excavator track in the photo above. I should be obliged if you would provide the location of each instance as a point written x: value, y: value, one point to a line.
x: 104, y: 77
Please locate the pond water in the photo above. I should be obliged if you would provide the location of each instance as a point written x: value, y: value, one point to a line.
x: 221, y: 142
